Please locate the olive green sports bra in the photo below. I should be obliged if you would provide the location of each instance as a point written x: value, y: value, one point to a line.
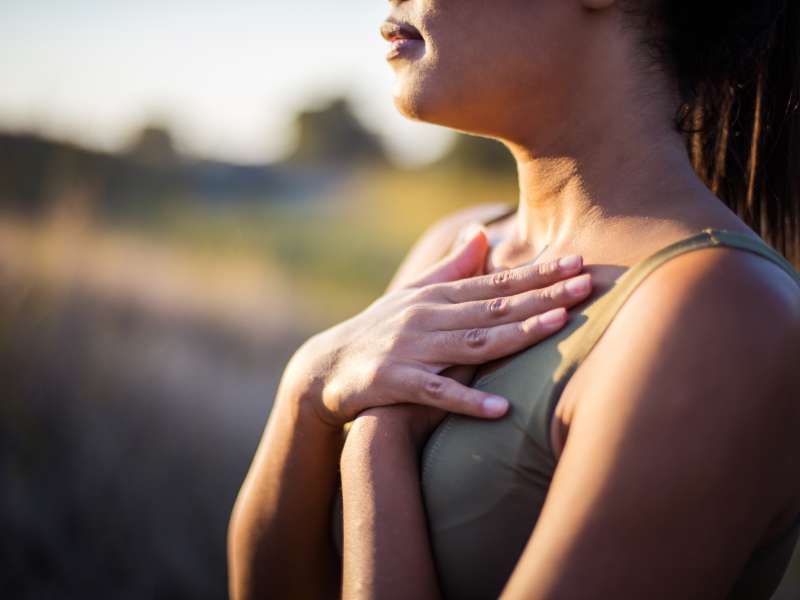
x: 484, y: 482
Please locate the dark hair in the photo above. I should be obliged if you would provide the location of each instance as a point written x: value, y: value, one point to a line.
x: 737, y: 66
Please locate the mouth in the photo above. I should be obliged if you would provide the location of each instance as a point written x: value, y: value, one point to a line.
x: 404, y: 38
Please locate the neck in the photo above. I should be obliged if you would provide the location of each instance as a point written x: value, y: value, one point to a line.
x: 614, y: 155
x: 624, y: 172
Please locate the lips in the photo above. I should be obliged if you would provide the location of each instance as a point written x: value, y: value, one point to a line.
x: 407, y: 42
x: 393, y: 31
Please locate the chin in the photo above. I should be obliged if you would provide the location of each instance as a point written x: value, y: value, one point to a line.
x: 429, y: 100
x: 412, y: 94
x: 409, y: 104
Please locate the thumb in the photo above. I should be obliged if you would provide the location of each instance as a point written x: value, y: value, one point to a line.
x: 466, y: 259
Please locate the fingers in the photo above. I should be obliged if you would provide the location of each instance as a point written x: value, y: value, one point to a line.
x: 465, y: 260
x: 508, y: 309
x: 422, y: 387
x: 510, y: 281
x: 481, y: 344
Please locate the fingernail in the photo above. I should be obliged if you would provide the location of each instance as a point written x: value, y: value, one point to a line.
x: 578, y: 286
x: 553, y: 317
x: 494, y: 406
x: 570, y: 262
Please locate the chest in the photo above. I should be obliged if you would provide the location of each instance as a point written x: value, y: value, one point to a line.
x: 484, y: 482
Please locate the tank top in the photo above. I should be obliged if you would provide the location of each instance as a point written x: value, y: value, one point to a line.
x: 484, y: 482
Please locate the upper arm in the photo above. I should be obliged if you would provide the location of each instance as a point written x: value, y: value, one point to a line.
x: 434, y: 243
x: 680, y: 450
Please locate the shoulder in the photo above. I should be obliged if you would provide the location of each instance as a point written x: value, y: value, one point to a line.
x: 436, y: 240
x: 722, y: 270
x: 705, y: 348
x: 680, y: 456
x: 716, y: 306
x: 725, y: 311
x: 717, y: 303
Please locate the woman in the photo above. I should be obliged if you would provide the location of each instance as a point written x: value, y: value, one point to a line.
x: 641, y: 446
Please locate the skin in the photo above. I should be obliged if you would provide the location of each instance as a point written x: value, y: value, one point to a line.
x: 651, y: 496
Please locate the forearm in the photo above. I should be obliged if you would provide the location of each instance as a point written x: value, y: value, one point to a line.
x: 386, y: 548
x: 279, y: 542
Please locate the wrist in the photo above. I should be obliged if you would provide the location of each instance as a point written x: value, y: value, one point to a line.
x: 380, y: 433
x: 297, y: 402
x: 305, y: 379
x: 293, y: 412
x: 413, y: 423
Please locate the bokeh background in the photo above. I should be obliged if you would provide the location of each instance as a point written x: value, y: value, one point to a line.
x: 188, y: 190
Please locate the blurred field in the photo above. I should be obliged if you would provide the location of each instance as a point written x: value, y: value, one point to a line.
x: 139, y: 357
x: 140, y: 349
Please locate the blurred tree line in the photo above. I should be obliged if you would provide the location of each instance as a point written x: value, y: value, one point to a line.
x: 35, y: 171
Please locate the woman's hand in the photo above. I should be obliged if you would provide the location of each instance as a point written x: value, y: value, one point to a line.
x: 394, y: 351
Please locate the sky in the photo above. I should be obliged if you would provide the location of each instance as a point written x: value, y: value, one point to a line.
x: 226, y: 76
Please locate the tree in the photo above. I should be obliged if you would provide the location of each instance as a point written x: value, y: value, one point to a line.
x: 473, y: 152
x: 334, y: 136
x: 154, y: 146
